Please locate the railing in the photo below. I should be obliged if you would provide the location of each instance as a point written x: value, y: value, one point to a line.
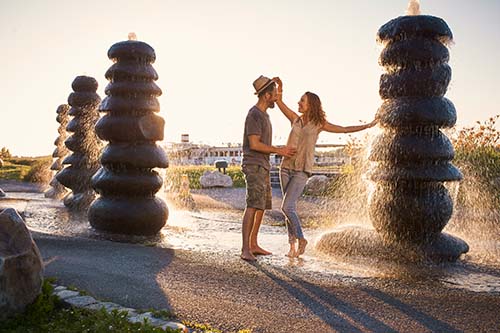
x: 329, y: 172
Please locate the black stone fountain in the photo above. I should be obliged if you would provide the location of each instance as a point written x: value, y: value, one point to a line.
x: 57, y: 190
x: 126, y: 181
x: 410, y: 205
x: 84, y: 144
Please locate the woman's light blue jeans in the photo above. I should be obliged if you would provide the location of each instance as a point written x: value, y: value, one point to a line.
x: 292, y: 185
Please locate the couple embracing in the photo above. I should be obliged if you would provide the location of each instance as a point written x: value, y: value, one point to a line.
x: 296, y: 165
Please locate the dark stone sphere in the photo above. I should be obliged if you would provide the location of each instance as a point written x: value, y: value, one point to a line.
x: 410, y: 212
x: 417, y: 111
x: 411, y: 147
x: 132, y: 50
x: 415, y: 26
x: 414, y: 52
x: 128, y: 215
x: 423, y: 82
x: 84, y: 83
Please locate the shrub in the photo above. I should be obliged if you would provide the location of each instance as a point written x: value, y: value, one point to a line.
x: 40, y: 171
x: 477, y: 155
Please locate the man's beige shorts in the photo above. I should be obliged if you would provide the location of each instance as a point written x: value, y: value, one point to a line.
x: 258, y: 187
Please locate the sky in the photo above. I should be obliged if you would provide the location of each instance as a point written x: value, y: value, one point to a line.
x: 210, y: 52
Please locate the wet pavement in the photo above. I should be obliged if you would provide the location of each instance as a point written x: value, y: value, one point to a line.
x: 193, y: 267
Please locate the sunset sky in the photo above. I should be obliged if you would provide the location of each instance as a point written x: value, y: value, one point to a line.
x: 209, y: 52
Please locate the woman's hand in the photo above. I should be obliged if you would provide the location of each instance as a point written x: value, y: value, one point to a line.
x: 279, y: 83
x: 373, y: 123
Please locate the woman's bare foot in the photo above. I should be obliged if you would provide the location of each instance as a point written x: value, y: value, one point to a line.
x: 248, y: 256
x: 292, y: 254
x: 257, y: 250
x: 302, y: 246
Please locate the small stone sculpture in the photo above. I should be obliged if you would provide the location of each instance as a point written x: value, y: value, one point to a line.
x: 126, y: 181
x: 411, y: 205
x: 57, y: 190
x: 2, y: 193
x: 84, y: 144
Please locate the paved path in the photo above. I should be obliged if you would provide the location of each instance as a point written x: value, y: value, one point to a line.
x: 231, y: 294
x: 210, y: 284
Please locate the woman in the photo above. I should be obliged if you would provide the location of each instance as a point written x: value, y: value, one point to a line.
x: 294, y: 171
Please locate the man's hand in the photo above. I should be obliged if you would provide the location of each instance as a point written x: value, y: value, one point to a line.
x: 286, y: 151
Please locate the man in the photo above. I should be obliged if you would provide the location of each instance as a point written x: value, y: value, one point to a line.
x: 256, y: 167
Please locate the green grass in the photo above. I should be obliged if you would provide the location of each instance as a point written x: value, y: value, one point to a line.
x: 26, y: 168
x: 13, y: 171
x: 47, y: 314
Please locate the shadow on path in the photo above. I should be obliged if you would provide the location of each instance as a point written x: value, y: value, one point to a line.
x: 121, y: 272
x: 343, y: 316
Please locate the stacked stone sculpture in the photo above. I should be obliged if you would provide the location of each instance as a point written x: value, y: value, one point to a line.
x: 126, y: 181
x: 410, y: 205
x: 2, y: 193
x: 84, y: 143
x: 57, y: 190
x: 21, y: 266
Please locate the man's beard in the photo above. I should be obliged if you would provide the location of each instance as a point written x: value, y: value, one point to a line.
x: 271, y: 105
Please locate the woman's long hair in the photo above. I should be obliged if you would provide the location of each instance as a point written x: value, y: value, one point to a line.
x: 315, y: 112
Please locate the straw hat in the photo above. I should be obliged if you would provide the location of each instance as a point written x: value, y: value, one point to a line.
x: 261, y: 83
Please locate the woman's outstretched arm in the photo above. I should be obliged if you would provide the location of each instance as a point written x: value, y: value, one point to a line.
x: 289, y: 113
x: 329, y: 127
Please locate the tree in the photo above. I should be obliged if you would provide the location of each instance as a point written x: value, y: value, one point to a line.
x: 5, y: 153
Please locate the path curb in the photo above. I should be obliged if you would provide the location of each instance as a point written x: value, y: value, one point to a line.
x: 74, y: 299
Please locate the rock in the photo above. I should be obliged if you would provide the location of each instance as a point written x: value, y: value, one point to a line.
x: 2, y: 193
x: 81, y: 301
x: 66, y: 294
x: 317, y: 185
x: 21, y: 266
x: 215, y: 179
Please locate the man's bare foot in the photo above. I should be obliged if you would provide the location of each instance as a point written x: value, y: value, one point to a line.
x: 302, y: 246
x: 247, y: 256
x: 257, y: 250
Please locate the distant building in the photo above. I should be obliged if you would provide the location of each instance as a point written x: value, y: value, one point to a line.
x: 187, y: 153
x: 198, y: 154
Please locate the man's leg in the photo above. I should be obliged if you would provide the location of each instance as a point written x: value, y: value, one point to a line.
x: 254, y: 246
x: 246, y: 230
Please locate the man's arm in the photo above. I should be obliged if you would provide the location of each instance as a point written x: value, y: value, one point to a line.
x: 257, y: 145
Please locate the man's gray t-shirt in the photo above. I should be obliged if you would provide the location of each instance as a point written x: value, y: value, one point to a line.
x: 257, y: 123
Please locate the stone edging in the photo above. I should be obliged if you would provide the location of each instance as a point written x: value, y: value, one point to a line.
x: 74, y: 299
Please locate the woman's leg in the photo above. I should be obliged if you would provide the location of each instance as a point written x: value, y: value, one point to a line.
x: 295, y: 186
x: 284, y: 180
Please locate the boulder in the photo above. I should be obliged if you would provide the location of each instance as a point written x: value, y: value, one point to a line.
x: 21, y: 266
x: 316, y: 185
x: 215, y: 179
